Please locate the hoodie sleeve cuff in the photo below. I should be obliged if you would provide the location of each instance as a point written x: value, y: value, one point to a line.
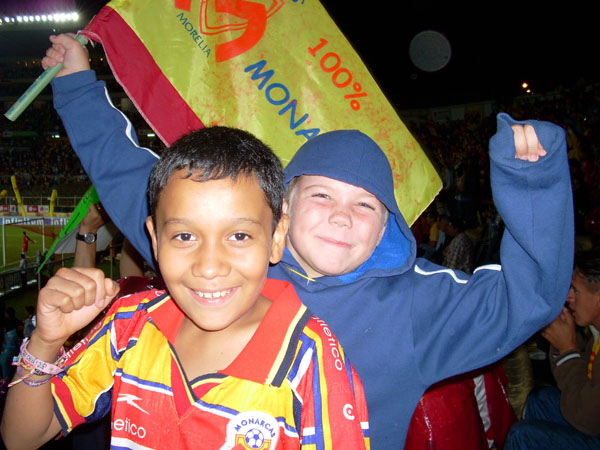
x: 567, y: 356
x: 502, y: 144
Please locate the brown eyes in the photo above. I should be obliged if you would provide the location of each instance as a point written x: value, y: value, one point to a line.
x: 183, y: 237
x: 239, y: 237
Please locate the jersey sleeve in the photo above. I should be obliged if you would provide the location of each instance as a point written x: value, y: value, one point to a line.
x: 481, y: 318
x: 107, y: 146
x: 82, y: 393
x: 334, y: 409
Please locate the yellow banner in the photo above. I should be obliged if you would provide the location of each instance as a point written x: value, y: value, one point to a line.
x: 281, y: 70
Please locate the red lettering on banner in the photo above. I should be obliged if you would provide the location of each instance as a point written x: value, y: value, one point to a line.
x: 255, y: 13
x: 340, y: 76
x: 253, y: 24
x: 183, y: 4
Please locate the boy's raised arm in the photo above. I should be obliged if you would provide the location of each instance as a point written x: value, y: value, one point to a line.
x: 70, y: 300
x: 484, y: 317
x: 104, y: 141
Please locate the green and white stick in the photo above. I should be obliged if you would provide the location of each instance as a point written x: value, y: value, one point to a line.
x: 36, y: 87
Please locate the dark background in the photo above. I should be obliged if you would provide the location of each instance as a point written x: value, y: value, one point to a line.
x: 495, y: 46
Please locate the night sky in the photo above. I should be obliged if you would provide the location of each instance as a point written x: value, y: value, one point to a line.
x: 493, y: 51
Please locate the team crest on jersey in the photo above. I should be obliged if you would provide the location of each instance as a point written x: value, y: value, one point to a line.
x: 252, y: 430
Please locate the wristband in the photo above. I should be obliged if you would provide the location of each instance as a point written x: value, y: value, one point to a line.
x: 40, y: 367
x: 27, y: 362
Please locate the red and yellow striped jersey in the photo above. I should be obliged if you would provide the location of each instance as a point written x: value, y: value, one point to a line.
x: 290, y: 387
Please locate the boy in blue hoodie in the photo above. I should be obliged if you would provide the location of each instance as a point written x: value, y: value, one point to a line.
x: 406, y: 323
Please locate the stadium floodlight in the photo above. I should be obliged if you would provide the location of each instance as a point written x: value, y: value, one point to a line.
x: 70, y: 16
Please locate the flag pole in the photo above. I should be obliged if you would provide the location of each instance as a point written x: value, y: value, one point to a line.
x: 36, y: 87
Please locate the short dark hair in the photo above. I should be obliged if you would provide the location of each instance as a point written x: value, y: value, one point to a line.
x: 216, y: 153
x: 587, y: 264
x: 457, y: 223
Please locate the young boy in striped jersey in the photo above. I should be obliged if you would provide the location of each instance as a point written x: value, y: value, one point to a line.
x: 221, y: 359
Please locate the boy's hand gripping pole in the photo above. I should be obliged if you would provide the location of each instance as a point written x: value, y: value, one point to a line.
x: 36, y: 87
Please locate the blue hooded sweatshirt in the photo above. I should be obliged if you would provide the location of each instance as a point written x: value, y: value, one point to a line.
x: 404, y: 322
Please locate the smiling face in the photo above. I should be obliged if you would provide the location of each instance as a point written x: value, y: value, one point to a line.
x: 213, y: 241
x: 584, y: 301
x: 335, y: 226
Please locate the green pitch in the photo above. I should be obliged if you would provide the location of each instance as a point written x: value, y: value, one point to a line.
x: 13, y: 239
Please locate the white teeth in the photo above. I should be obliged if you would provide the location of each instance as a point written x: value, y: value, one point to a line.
x: 211, y: 295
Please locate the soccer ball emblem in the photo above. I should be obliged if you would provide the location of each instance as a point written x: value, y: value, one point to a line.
x: 254, y: 438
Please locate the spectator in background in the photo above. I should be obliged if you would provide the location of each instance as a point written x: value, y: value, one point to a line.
x: 429, y: 241
x: 460, y: 251
x: 131, y: 263
x: 568, y: 416
x: 12, y: 332
x: 87, y: 235
x: 29, y: 324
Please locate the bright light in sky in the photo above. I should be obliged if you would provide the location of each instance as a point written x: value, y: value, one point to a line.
x: 67, y: 16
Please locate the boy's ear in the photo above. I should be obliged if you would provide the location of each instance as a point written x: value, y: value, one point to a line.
x: 153, y: 237
x: 381, y: 233
x: 279, y: 238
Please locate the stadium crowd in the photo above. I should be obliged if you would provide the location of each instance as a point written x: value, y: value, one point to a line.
x: 459, y: 149
x: 35, y: 148
x: 461, y: 228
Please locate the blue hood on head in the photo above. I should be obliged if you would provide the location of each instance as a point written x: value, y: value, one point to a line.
x: 354, y: 158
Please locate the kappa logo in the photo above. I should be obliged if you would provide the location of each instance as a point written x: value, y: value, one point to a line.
x: 226, y: 16
x: 131, y: 400
x: 252, y: 430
